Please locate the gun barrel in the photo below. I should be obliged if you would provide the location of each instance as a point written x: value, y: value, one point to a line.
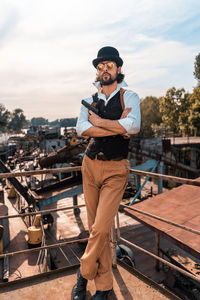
x: 90, y: 107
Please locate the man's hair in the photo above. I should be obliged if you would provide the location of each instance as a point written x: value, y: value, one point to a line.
x: 120, y: 77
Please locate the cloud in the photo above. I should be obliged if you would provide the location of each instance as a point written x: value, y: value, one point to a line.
x: 46, y: 49
x: 8, y: 21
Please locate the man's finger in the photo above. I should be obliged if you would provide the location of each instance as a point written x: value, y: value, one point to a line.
x: 128, y: 109
x: 92, y: 113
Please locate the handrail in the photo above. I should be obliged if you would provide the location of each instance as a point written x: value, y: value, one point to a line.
x: 186, y: 273
x: 167, y: 177
x: 46, y: 211
x: 75, y: 169
x: 85, y: 240
x: 40, y: 172
x: 42, y: 248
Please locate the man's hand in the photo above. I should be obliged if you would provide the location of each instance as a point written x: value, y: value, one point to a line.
x: 98, y: 121
x: 125, y: 113
x: 112, y: 127
x: 94, y: 119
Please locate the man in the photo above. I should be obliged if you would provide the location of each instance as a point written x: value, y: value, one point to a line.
x: 105, y: 167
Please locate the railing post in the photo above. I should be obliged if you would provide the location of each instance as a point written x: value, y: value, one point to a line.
x: 138, y: 184
x: 113, y: 246
x: 157, y: 250
x: 75, y: 202
x: 193, y: 159
x: 160, y: 181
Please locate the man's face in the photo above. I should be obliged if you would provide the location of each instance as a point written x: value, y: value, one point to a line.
x: 107, y: 72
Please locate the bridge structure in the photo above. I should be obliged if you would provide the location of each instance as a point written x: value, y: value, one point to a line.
x: 179, y: 153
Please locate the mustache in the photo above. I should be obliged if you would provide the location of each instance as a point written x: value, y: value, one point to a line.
x: 106, y: 73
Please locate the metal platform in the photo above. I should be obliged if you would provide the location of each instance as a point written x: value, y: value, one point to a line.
x: 128, y: 284
x: 180, y: 205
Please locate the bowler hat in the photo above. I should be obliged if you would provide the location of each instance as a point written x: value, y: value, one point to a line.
x: 108, y: 53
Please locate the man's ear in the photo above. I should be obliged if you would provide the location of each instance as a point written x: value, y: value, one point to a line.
x: 119, y: 70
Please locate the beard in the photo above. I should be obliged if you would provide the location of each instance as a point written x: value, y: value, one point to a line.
x: 108, y: 81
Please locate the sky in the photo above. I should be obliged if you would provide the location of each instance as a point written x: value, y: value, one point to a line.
x: 47, y: 48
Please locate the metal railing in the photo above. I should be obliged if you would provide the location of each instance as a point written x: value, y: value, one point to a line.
x: 75, y: 169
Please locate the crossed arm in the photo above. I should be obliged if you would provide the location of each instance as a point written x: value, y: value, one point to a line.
x: 89, y: 124
x: 104, y: 127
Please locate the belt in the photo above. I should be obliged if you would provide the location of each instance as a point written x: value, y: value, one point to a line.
x: 101, y: 156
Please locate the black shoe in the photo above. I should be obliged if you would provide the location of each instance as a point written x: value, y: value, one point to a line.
x: 79, y: 290
x: 101, y: 295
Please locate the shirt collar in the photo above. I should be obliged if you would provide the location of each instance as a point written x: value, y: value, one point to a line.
x: 102, y: 96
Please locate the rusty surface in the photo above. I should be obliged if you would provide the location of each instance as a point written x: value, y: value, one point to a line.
x: 58, y: 285
x: 47, y: 194
x: 66, y: 183
x: 78, y: 168
x: 60, y: 231
x: 38, y: 172
x: 25, y: 265
x: 66, y: 154
x: 180, y: 205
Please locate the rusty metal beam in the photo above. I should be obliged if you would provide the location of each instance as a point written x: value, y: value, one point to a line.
x: 166, y: 177
x: 46, y: 211
x: 17, y: 185
x: 25, y: 251
x: 163, y: 261
x: 74, y: 169
x: 39, y: 172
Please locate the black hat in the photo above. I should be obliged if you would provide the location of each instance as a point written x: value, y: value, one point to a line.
x: 108, y: 53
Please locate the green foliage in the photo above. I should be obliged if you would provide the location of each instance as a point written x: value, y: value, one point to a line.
x: 197, y: 68
x: 18, y: 120
x: 55, y: 123
x: 150, y: 115
x: 39, y: 121
x: 4, y: 118
x: 68, y: 122
x: 184, y: 113
x: 194, y: 117
x: 175, y: 106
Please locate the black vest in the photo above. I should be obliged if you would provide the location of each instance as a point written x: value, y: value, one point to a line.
x: 111, y: 146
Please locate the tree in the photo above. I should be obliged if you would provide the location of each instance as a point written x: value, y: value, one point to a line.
x: 18, y: 120
x: 68, y: 122
x: 194, y: 117
x: 197, y: 68
x: 39, y: 121
x: 184, y: 113
x: 4, y: 118
x: 174, y: 107
x: 55, y: 123
x: 150, y: 115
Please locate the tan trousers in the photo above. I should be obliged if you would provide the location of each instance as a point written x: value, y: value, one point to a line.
x: 104, y: 183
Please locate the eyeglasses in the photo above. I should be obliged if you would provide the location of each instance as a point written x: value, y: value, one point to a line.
x: 109, y: 65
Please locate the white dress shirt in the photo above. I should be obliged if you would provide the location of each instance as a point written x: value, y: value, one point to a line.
x: 131, y: 123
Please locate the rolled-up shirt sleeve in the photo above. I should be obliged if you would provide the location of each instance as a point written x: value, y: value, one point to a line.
x: 132, y: 122
x: 82, y: 122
